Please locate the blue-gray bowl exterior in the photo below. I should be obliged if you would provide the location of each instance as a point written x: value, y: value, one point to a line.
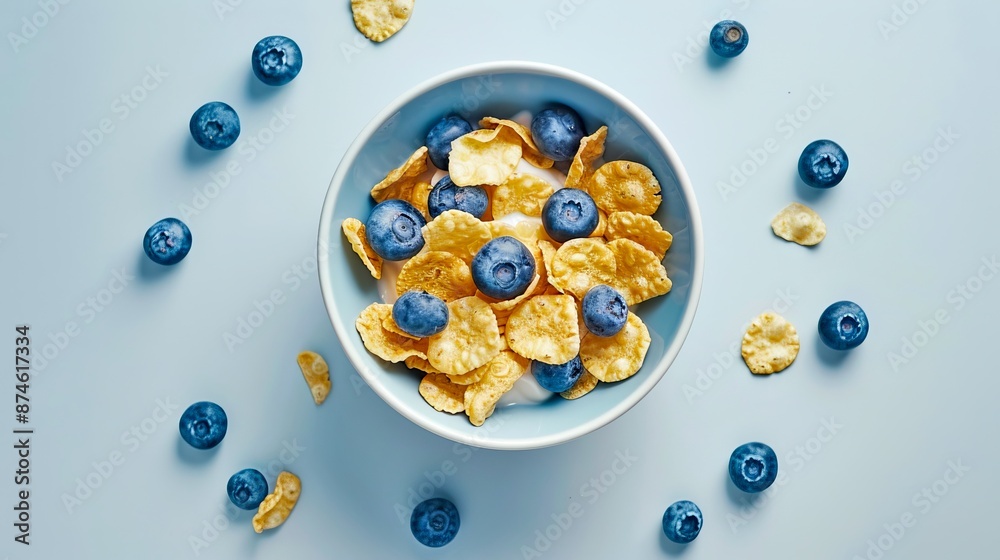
x: 502, y: 95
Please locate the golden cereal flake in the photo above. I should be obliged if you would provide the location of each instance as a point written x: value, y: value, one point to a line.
x: 625, y: 186
x: 470, y: 340
x: 639, y: 273
x: 442, y: 394
x: 389, y: 346
x: 591, y: 149
x: 316, y: 373
x: 400, y: 181
x: 380, y: 19
x: 800, y: 224
x: 616, y: 357
x: 545, y: 328
x: 354, y: 231
x: 500, y: 375
x: 278, y: 505
x: 640, y: 228
x: 484, y: 157
x: 770, y: 344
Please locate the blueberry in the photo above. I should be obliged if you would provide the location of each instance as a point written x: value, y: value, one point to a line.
x: 420, y: 314
x: 446, y: 196
x: 569, y: 214
x: 434, y: 522
x: 604, y: 310
x: 393, y: 230
x: 843, y: 325
x: 440, y: 137
x: 559, y: 377
x: 215, y: 126
x: 203, y: 425
x: 247, y: 489
x: 682, y: 522
x: 167, y: 241
x: 276, y: 60
x: 728, y: 38
x: 753, y: 467
x: 823, y: 164
x: 557, y: 131
x: 503, y: 268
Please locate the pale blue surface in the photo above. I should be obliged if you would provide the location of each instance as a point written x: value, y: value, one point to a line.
x: 889, y: 94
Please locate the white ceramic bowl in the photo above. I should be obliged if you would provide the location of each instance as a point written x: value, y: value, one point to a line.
x: 502, y: 89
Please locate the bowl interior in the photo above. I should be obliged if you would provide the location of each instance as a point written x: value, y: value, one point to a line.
x: 503, y: 90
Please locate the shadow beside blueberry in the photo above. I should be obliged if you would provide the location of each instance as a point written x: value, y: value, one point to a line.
x: 149, y: 271
x: 195, y: 155
x: 804, y: 191
x: 191, y: 456
x: 670, y: 548
x: 258, y: 91
x: 738, y: 497
x: 714, y: 61
x: 828, y: 355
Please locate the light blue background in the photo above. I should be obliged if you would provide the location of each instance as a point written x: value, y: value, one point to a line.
x: 161, y: 337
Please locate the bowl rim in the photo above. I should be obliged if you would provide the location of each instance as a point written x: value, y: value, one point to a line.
x: 684, y: 184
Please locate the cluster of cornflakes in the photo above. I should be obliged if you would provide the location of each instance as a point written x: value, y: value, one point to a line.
x: 489, y: 344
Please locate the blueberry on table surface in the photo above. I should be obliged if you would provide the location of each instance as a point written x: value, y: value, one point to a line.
x: 728, y: 38
x: 823, y: 164
x: 203, y: 425
x: 434, y: 522
x: 843, y: 325
x: 682, y: 521
x: 215, y: 126
x: 247, y: 488
x: 276, y: 60
x: 753, y: 467
x: 167, y: 241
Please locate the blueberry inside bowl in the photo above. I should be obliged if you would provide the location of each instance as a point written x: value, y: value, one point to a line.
x: 503, y: 89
